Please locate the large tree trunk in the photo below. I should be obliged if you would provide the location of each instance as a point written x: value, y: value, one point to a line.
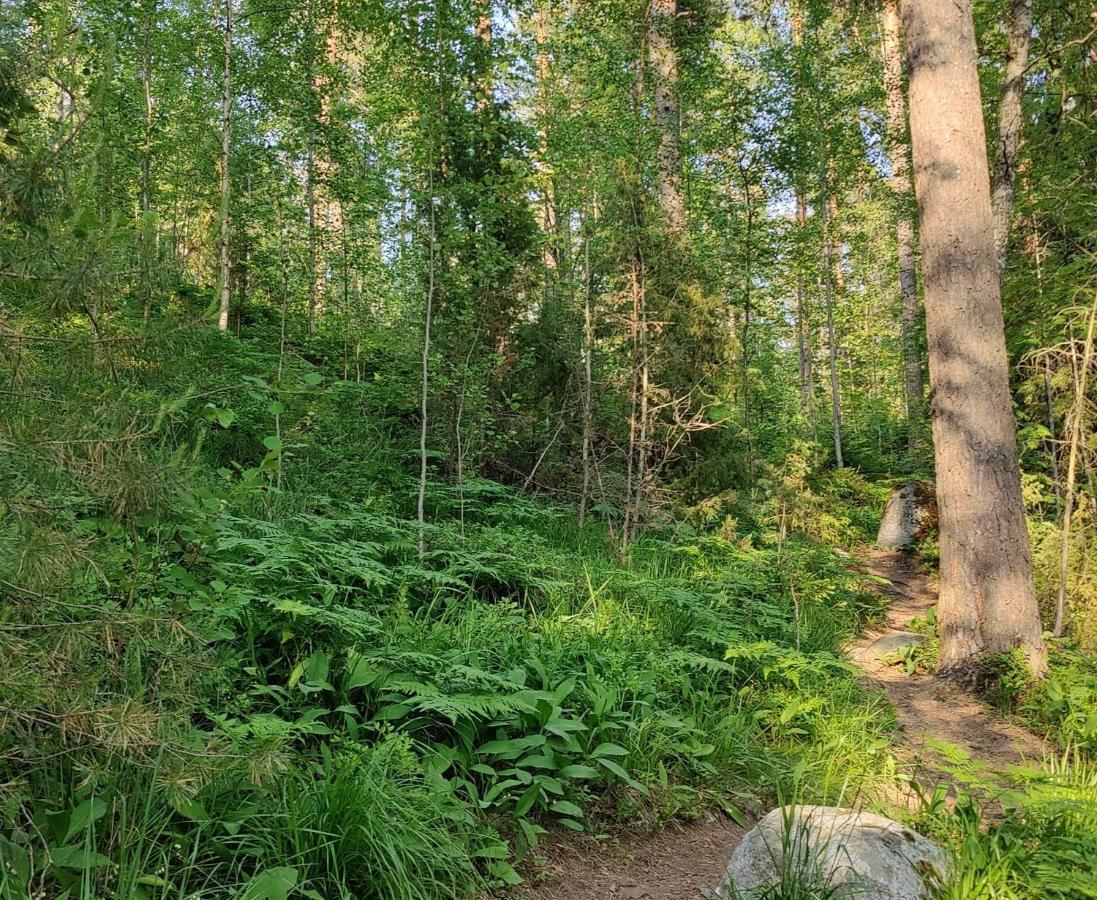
x: 987, y: 600
x: 663, y: 59
x: 226, y: 143
x: 898, y: 154
x: 1010, y: 126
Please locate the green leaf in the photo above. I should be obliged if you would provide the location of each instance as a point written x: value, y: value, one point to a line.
x: 497, y: 850
x: 609, y: 750
x: 530, y: 831
x: 271, y: 884
x: 567, y: 808
x: 84, y: 816
x: 272, y: 442
x: 576, y: 771
x: 192, y: 809
x: 77, y: 856
x: 789, y: 711
x: 225, y: 417
x: 313, y: 378
x: 512, y: 747
x: 617, y: 770
x: 153, y: 881
x: 526, y: 801
x: 504, y: 871
x: 316, y: 668
x: 14, y: 860
x: 564, y: 689
x: 735, y: 814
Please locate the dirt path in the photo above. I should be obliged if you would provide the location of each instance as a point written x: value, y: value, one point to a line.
x: 681, y: 861
x: 675, y: 863
x: 928, y: 707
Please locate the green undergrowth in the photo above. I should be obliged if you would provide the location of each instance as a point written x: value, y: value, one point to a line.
x: 1033, y: 834
x: 1062, y: 705
x: 230, y: 669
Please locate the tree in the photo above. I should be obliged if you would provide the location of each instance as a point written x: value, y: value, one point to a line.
x: 987, y: 596
x: 663, y: 61
x: 899, y: 157
x: 224, y: 279
x: 1010, y: 123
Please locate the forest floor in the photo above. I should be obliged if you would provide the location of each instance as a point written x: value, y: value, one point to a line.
x: 931, y: 711
x: 683, y: 861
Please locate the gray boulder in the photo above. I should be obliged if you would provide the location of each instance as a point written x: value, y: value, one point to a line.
x: 840, y: 853
x: 910, y: 514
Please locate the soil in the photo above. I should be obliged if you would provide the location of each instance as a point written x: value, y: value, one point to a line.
x: 686, y: 861
x: 931, y: 709
x: 678, y: 862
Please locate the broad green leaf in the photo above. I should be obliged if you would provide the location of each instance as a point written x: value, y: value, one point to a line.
x: 577, y: 771
x: 84, y: 816
x: 271, y: 884
x: 77, y: 856
x: 567, y: 808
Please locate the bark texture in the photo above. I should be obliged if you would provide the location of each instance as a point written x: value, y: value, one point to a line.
x: 546, y: 177
x: 899, y: 156
x: 663, y: 61
x: 803, y: 326
x: 833, y: 279
x: 803, y: 330
x: 1010, y: 126
x: 226, y: 144
x: 987, y: 599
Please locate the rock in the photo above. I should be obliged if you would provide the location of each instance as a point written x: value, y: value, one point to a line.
x: 841, y: 853
x: 910, y: 514
x: 892, y: 643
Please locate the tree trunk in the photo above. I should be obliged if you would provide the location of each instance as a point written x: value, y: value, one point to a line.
x: 803, y: 326
x: 1010, y: 126
x: 744, y: 337
x: 146, y: 231
x: 987, y: 597
x: 663, y: 60
x: 588, y: 380
x: 636, y: 470
x: 315, y: 284
x: 549, y: 224
x: 832, y: 275
x: 226, y: 139
x: 485, y: 85
x: 898, y: 154
x: 424, y: 393
x: 803, y: 331
x: 1077, y: 438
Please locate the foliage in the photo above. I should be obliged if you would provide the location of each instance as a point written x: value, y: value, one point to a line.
x: 234, y: 656
x: 1043, y: 844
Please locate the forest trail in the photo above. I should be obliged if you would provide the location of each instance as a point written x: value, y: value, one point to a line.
x: 930, y: 709
x: 682, y: 861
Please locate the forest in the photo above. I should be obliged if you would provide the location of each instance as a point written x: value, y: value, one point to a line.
x: 447, y: 446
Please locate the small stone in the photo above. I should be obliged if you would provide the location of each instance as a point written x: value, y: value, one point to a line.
x: 893, y: 643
